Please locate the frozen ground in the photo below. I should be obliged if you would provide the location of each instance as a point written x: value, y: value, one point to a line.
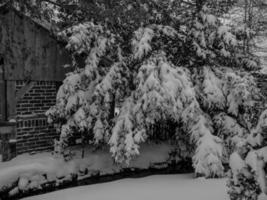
x: 167, y: 187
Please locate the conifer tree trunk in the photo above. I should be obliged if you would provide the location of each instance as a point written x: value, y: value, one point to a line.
x: 112, y: 105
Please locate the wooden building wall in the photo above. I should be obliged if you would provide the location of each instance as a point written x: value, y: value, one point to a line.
x: 30, y: 52
x: 30, y: 73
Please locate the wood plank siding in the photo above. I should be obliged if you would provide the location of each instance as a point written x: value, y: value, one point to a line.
x: 29, y: 51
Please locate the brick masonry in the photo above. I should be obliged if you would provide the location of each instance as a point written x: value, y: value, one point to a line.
x: 33, y: 131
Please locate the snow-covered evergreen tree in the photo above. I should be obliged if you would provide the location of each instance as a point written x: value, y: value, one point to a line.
x: 173, y: 70
x: 247, y: 179
x: 75, y: 106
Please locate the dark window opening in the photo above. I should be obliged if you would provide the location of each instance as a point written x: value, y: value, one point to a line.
x: 3, y: 92
x: 1, y: 61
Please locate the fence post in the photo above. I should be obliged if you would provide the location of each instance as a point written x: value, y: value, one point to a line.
x: 8, y: 140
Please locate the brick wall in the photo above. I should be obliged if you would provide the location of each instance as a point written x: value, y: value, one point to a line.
x: 33, y: 131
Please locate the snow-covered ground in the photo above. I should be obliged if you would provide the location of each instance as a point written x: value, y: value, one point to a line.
x: 182, y: 187
x: 30, y: 169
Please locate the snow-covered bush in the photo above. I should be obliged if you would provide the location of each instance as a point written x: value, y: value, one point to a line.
x: 185, y: 74
x: 249, y: 164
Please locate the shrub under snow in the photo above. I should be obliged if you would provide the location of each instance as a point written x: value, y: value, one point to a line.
x: 163, y: 73
x: 248, y: 164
